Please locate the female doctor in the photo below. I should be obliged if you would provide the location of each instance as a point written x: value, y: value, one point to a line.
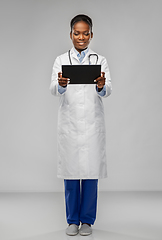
x: 81, y: 129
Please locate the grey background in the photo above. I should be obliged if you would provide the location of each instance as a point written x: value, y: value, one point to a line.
x: 128, y: 33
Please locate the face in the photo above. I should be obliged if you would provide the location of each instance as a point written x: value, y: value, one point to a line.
x: 81, y: 35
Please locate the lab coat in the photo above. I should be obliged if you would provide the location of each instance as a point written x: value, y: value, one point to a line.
x: 81, y: 132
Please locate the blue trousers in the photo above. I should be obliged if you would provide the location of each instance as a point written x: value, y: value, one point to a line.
x: 81, y: 200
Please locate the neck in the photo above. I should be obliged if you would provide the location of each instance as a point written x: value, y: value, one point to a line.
x: 80, y: 50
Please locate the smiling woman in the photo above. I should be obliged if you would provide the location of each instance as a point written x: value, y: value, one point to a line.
x: 81, y: 129
x: 81, y: 35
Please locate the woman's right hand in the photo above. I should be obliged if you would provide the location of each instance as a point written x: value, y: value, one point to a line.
x: 62, y: 81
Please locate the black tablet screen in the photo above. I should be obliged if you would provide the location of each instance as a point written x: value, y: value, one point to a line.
x: 81, y: 74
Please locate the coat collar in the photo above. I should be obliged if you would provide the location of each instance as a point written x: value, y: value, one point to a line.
x: 74, y: 55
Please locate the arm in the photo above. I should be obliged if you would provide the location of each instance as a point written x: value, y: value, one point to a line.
x: 56, y: 88
x: 105, y: 88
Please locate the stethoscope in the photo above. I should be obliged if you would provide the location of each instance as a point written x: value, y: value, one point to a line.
x: 92, y: 54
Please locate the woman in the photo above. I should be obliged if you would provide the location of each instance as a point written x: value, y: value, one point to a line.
x: 81, y: 129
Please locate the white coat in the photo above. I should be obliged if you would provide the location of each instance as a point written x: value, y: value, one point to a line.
x: 81, y: 126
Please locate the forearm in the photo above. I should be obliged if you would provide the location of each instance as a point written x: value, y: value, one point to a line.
x: 54, y: 86
x: 108, y: 85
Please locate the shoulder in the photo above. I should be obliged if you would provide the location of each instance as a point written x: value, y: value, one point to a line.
x: 61, y: 59
x: 101, y: 58
x: 93, y: 52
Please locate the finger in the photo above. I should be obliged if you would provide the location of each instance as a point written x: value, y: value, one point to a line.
x: 59, y: 74
x: 101, y: 84
x: 98, y: 84
x: 102, y: 74
x: 97, y: 79
x: 102, y: 80
x: 64, y: 81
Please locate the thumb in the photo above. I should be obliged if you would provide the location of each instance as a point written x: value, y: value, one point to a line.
x: 60, y: 74
x: 102, y: 74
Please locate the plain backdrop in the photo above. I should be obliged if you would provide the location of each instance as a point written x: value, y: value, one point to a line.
x: 32, y: 34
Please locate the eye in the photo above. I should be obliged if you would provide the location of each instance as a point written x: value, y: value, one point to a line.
x: 76, y: 34
x: 86, y: 33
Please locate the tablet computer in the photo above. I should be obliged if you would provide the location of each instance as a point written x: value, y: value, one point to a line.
x: 81, y: 74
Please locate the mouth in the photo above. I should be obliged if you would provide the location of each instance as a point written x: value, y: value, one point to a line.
x: 81, y: 43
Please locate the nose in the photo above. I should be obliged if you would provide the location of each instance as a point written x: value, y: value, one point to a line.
x: 81, y: 36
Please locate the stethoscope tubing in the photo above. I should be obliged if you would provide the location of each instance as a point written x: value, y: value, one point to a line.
x: 92, y: 54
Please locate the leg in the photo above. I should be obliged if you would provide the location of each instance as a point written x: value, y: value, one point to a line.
x: 72, y: 199
x: 88, y: 201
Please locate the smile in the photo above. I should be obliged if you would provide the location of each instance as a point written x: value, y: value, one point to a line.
x: 81, y: 43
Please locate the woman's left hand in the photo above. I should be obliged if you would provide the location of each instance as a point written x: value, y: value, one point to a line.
x: 100, y: 81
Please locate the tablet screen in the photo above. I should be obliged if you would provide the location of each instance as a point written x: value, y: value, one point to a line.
x: 81, y: 74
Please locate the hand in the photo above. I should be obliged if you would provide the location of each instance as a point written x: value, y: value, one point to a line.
x: 100, y: 81
x: 62, y: 81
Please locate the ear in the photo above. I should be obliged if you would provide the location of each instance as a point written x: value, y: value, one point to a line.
x: 91, y: 35
x: 71, y: 35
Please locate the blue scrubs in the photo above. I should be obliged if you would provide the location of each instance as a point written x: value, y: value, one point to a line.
x: 81, y: 200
